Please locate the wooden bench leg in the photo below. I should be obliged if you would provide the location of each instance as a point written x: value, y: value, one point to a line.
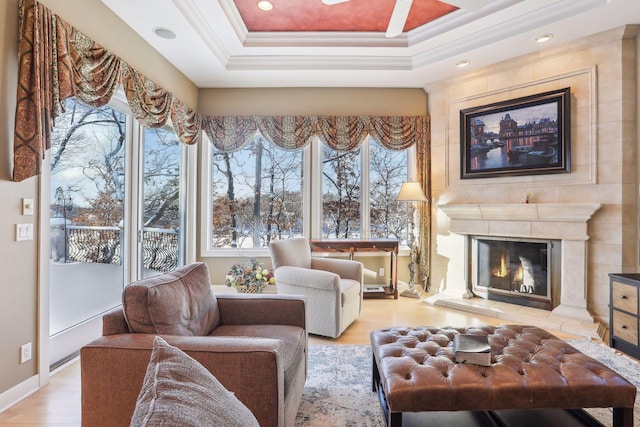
x: 622, y: 417
x: 395, y: 419
x: 392, y: 419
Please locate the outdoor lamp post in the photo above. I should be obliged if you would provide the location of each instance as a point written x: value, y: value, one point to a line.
x: 66, y: 205
x: 410, y: 192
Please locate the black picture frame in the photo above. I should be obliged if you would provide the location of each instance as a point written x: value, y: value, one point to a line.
x: 523, y: 136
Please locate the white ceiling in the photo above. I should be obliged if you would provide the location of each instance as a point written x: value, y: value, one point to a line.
x: 214, y: 49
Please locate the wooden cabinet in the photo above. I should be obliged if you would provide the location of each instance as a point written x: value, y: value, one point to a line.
x: 623, y: 310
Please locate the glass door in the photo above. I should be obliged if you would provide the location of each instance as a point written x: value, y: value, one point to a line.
x: 162, y: 222
x: 87, y: 213
x: 116, y: 214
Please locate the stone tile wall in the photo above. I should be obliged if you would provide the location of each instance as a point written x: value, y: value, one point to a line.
x: 601, y: 72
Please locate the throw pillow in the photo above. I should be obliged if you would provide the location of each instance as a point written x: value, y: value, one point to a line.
x: 179, y: 302
x: 179, y: 391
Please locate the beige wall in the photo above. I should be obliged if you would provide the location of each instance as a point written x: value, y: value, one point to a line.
x: 313, y: 101
x: 19, y: 283
x: 218, y: 268
x: 600, y: 70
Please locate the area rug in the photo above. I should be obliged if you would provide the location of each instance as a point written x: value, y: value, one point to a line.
x: 338, y: 388
x: 624, y: 365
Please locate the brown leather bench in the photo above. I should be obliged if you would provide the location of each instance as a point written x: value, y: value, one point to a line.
x: 414, y: 371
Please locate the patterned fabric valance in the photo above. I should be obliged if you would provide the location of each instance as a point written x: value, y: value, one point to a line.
x: 342, y: 133
x: 57, y: 62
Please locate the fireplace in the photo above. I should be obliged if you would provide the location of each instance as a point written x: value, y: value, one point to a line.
x: 515, y: 270
x: 564, y: 223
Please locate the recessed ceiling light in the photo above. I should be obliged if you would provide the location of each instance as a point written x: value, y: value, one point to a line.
x: 544, y: 38
x: 463, y: 63
x: 164, y: 33
x: 265, y: 5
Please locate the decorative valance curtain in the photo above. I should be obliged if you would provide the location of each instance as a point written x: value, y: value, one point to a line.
x: 342, y: 133
x: 57, y: 62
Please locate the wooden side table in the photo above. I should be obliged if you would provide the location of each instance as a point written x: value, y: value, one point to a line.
x: 351, y: 246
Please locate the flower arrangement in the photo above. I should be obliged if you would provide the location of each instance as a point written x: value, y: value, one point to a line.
x: 249, y: 276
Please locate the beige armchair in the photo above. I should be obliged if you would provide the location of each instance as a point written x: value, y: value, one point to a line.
x: 333, y: 287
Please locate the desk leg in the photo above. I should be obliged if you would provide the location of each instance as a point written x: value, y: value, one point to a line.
x: 393, y: 280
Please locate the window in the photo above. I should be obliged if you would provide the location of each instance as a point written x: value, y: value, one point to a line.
x: 388, y: 169
x: 341, y: 189
x: 355, y: 197
x: 256, y: 195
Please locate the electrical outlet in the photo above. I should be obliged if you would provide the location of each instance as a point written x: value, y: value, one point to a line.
x: 25, y: 352
x: 381, y: 271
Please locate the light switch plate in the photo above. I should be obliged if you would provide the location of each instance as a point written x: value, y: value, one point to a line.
x: 24, y: 232
x: 27, y: 206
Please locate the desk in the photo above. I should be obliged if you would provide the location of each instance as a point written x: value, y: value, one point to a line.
x: 363, y: 245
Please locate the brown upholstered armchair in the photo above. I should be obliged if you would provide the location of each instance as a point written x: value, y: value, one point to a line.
x: 333, y: 287
x: 255, y: 345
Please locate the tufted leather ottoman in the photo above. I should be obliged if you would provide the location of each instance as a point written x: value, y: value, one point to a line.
x: 414, y: 371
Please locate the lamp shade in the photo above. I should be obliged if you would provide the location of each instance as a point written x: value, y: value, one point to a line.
x: 411, y: 191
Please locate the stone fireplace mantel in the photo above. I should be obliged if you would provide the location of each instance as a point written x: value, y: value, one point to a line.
x: 566, y: 222
x: 573, y: 212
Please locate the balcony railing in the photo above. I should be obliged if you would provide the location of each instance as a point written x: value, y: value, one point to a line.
x: 93, y: 244
x: 104, y: 245
x: 160, y: 249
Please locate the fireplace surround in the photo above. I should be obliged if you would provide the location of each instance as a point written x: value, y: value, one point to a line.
x: 566, y: 223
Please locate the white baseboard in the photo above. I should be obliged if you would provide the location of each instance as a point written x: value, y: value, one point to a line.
x: 19, y: 392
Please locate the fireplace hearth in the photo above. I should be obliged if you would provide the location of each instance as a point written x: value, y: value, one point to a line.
x: 517, y: 271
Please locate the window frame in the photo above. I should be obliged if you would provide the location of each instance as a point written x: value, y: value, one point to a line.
x: 312, y: 206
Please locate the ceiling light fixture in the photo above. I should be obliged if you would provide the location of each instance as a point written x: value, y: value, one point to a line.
x: 265, y: 5
x: 463, y: 63
x: 164, y: 33
x: 544, y: 38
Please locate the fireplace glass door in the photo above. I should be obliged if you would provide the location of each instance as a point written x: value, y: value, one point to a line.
x: 515, y: 271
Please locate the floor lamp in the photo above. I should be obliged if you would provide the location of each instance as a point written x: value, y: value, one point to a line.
x: 411, y: 191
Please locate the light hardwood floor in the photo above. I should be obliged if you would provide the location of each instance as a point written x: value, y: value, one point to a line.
x: 58, y: 403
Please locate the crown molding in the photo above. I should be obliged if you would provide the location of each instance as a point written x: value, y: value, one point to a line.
x: 323, y: 39
x: 327, y: 62
x: 198, y: 22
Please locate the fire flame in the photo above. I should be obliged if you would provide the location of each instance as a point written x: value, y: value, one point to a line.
x: 503, y: 268
x: 518, y: 277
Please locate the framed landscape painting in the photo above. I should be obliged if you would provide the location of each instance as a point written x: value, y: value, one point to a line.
x: 523, y: 136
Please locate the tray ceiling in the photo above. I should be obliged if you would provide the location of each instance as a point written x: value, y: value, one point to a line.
x: 225, y: 43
